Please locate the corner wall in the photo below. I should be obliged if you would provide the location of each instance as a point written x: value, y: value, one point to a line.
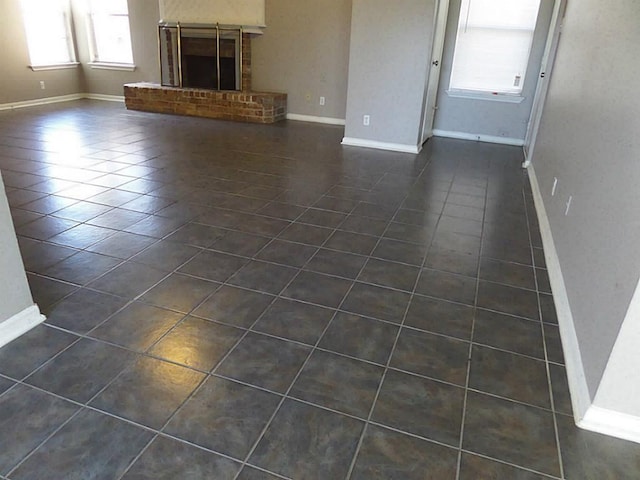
x: 588, y: 140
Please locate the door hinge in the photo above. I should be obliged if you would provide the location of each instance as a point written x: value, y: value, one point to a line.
x: 435, y: 63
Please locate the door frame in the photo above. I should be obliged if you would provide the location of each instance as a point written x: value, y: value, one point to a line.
x: 544, y: 77
x: 429, y: 106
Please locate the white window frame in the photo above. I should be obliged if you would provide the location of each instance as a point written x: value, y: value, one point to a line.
x: 97, y: 62
x: 512, y: 95
x: 32, y: 32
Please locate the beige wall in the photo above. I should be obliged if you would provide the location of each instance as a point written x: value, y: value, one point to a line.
x: 18, y: 82
x: 304, y: 51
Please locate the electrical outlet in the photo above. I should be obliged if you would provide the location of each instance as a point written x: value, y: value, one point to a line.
x: 322, y: 100
x: 555, y: 185
x: 566, y: 212
x: 42, y: 87
x: 366, y: 120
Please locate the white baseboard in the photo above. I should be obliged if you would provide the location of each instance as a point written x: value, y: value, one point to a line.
x: 105, y: 98
x: 580, y: 397
x: 394, y: 147
x: 609, y: 422
x: 479, y: 137
x: 20, y: 324
x: 42, y: 101
x: 310, y: 118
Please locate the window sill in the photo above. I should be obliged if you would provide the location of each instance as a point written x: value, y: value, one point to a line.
x: 54, y: 66
x: 127, y: 67
x: 486, y: 96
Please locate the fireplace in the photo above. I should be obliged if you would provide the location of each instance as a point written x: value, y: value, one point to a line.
x: 202, y: 56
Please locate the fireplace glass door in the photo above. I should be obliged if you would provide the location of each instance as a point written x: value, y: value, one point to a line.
x: 200, y: 57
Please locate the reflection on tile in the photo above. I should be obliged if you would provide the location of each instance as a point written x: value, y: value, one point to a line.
x: 224, y: 416
x: 234, y: 306
x: 386, y: 454
x: 180, y: 293
x: 148, y: 392
x: 301, y: 438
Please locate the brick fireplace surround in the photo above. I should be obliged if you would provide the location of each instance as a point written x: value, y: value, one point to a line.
x: 242, y: 106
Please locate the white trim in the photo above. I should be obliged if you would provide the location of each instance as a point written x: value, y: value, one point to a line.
x: 104, y: 98
x: 612, y: 423
x: 20, y: 324
x: 127, y: 67
x: 42, y: 101
x: 478, y: 137
x: 394, y: 147
x: 54, y: 66
x: 486, y: 96
x: 580, y: 397
x: 310, y: 118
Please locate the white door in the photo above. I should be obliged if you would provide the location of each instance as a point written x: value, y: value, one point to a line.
x: 433, y: 77
x: 543, y: 81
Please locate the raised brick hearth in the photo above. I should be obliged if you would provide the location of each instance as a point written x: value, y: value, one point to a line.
x: 254, y: 107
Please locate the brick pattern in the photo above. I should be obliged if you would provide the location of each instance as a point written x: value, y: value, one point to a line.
x: 253, y: 107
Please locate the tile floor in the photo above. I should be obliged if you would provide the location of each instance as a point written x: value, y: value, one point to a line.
x: 243, y: 302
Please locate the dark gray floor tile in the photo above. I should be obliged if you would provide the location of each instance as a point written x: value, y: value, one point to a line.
x: 389, y: 274
x: 265, y: 362
x: 317, y: 288
x: 377, y: 302
x: 82, y: 267
x: 473, y: 467
x: 262, y: 276
x: 83, y: 310
x: 513, y: 274
x: 180, y: 292
x: 148, y: 392
x: 307, y: 234
x: 285, y: 211
x: 508, y: 333
x: 338, y: 383
x: 307, y: 442
x: 364, y: 226
x: 351, y: 242
x: 322, y: 218
x: 409, y: 233
x: 447, y: 286
x: 138, y: 326
x: 419, y: 406
x: 459, y: 225
x: 502, y: 298
x: 239, y: 243
x: 122, y: 245
x: 341, y: 264
x: 249, y: 473
x: 27, y: 418
x: 27, y: 352
x: 82, y: 370
x: 224, y: 416
x: 511, y: 432
x: 294, y: 320
x: 197, y: 235
x: 440, y: 316
x: 234, y: 306
x: 260, y: 225
x: 548, y: 309
x: 128, y: 280
x: 45, y: 227
x: 453, y: 263
x: 166, y: 256
x: 91, y: 445
x: 46, y: 292
x: 403, y: 252
x: 168, y: 459
x: 419, y: 217
x: 82, y: 211
x: 197, y: 343
x: 49, y: 204
x: 444, y: 241
x: 386, y: 454
x: 431, y: 355
x: 214, y: 265
x: 156, y: 226
x: 118, y: 218
x: 509, y: 375
x: 5, y: 384
x: 287, y: 253
x: 360, y: 337
x: 542, y: 278
x: 38, y: 256
x: 560, y: 389
x: 554, y: 344
x: 82, y: 236
x: 335, y: 204
x: 590, y: 456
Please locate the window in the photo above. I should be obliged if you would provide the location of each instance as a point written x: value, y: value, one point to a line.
x: 109, y: 33
x: 493, y: 45
x: 48, y: 27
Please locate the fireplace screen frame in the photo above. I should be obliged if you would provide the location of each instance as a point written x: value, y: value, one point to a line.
x: 171, y: 55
